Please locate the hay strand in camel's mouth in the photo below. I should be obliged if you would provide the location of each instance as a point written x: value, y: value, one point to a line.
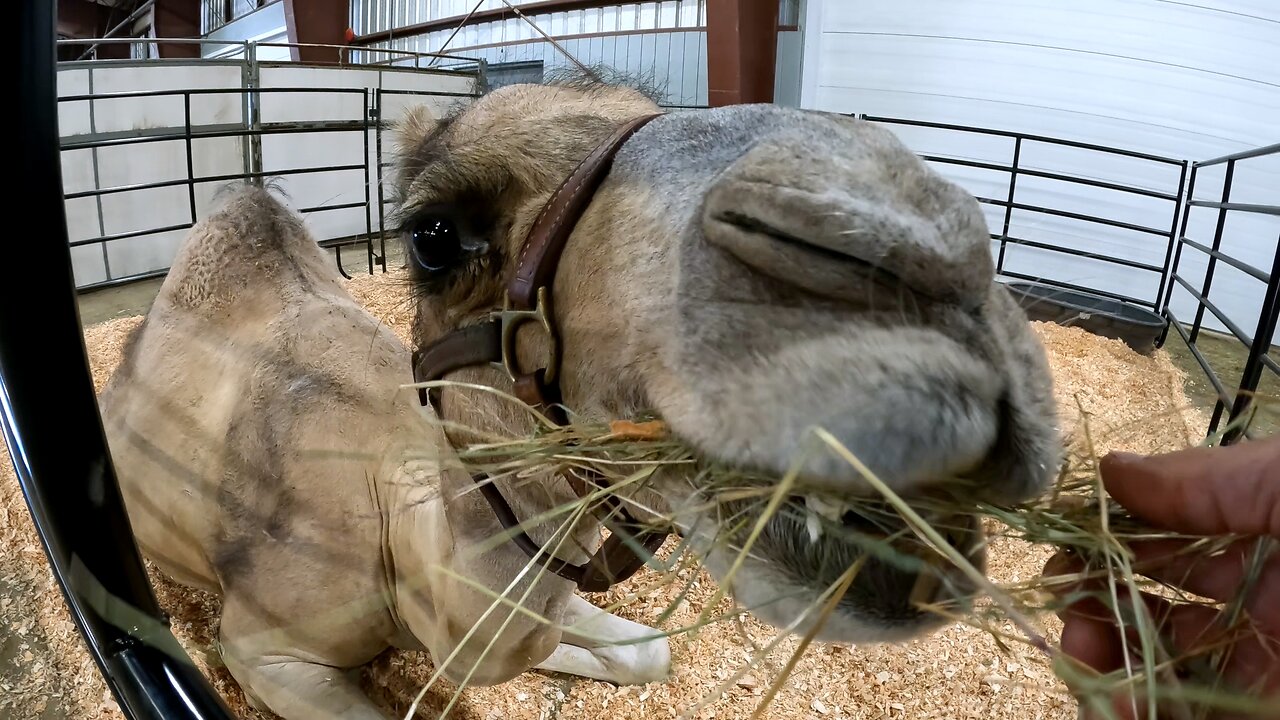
x: 1075, y: 517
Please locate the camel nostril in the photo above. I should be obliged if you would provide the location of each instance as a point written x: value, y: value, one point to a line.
x: 1000, y: 476
x: 834, y: 239
x: 789, y: 256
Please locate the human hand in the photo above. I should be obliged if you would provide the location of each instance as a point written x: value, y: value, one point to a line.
x: 1202, y: 492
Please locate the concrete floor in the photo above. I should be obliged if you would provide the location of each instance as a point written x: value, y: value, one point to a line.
x: 120, y: 301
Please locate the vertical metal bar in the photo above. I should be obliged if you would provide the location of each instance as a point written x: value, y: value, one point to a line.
x: 382, y: 202
x: 1008, y: 208
x: 97, y: 180
x: 245, y: 112
x: 191, y: 173
x: 1216, y: 419
x: 254, y: 95
x: 1173, y: 237
x: 337, y: 256
x: 369, y: 111
x: 1178, y: 256
x: 1262, y: 338
x: 1217, y: 244
x: 1187, y: 197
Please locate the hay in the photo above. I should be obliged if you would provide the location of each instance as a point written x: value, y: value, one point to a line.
x: 1129, y: 401
x: 387, y: 298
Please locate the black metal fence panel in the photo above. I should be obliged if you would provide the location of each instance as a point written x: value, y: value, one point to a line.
x: 267, y: 125
x: 1235, y: 403
x: 1020, y: 190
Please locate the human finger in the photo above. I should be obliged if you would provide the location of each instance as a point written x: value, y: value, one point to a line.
x: 1092, y: 641
x: 1203, y: 490
x: 1250, y: 659
x: 1219, y: 575
x: 1191, y: 635
x: 1246, y: 661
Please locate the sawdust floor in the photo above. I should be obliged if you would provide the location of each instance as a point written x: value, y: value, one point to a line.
x: 1131, y: 402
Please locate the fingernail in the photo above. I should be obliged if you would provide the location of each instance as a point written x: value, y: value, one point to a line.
x: 1125, y: 457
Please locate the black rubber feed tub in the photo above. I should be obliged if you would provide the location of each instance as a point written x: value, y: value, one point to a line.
x: 1138, y: 327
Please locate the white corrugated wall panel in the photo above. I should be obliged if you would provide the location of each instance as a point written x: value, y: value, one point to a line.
x: 422, y: 84
x: 1188, y: 80
x: 73, y: 117
x: 374, y: 15
x: 166, y: 111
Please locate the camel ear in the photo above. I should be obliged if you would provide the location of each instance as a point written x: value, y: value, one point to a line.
x: 413, y: 127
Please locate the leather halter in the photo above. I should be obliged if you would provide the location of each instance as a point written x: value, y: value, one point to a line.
x: 493, y: 341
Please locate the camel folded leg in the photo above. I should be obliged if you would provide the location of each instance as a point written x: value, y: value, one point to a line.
x: 602, y: 646
x: 288, y: 685
x: 297, y: 690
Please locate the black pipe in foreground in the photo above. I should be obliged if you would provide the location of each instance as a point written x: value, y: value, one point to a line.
x: 50, y: 420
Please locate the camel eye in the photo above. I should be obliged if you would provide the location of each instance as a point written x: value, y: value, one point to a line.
x: 435, y: 243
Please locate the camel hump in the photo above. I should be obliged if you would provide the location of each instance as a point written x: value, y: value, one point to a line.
x: 249, y: 245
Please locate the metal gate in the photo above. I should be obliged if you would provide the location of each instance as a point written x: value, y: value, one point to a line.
x: 1238, y: 403
x: 172, y: 137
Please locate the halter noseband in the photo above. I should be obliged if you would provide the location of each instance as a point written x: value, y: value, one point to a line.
x: 493, y: 341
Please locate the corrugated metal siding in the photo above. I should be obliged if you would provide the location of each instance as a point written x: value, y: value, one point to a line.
x: 674, y: 61
x: 217, y: 13
x: 662, y: 42
x: 376, y: 15
x: 1184, y: 79
x: 368, y: 16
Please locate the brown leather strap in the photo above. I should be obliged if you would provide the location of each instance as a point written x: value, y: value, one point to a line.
x: 540, y: 255
x: 626, y: 550
x: 532, y: 390
x: 466, y: 347
x: 509, y: 522
x: 619, y: 557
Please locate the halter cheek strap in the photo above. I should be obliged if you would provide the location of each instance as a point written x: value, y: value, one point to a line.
x: 493, y: 341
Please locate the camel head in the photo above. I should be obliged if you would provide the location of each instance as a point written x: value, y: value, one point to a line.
x: 747, y: 274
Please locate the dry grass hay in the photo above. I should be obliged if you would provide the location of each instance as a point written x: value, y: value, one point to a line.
x: 1128, y: 402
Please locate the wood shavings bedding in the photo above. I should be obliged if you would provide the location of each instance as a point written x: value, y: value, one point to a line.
x: 1130, y: 402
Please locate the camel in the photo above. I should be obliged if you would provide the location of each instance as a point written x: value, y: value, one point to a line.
x: 744, y: 273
